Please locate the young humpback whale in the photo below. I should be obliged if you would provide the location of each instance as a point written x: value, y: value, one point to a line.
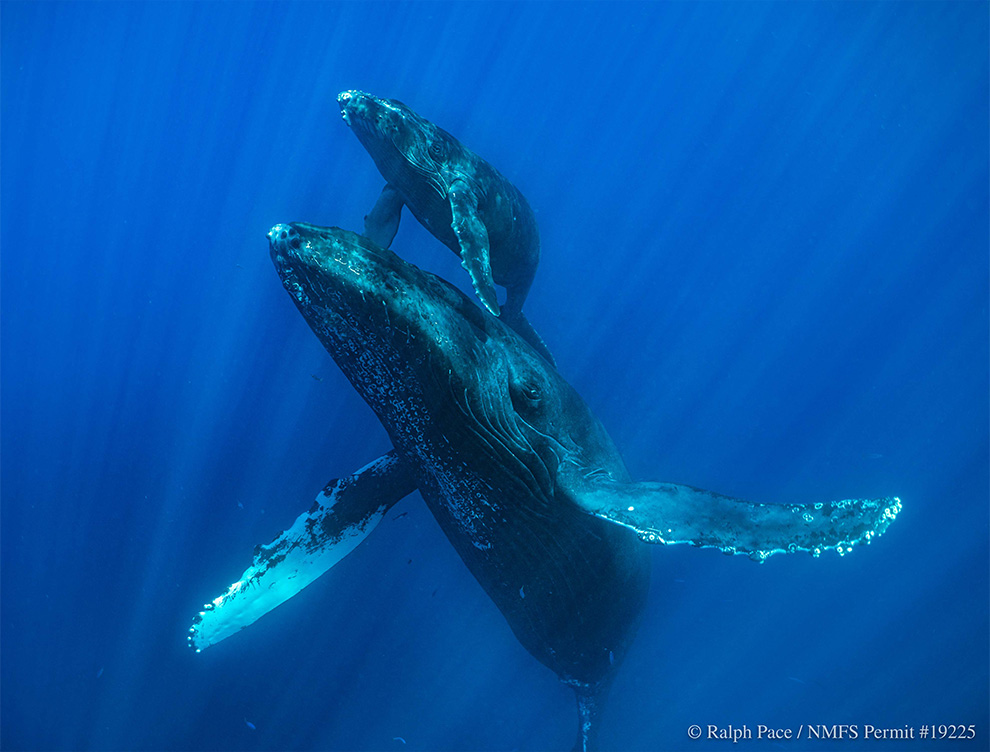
x: 520, y: 475
x: 462, y: 200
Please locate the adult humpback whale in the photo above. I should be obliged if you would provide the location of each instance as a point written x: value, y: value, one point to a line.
x: 465, y: 202
x: 520, y: 475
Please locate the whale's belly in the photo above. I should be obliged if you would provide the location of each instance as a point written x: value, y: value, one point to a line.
x: 571, y: 586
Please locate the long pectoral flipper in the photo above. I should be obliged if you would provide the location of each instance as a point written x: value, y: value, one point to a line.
x: 472, y: 236
x: 670, y: 513
x: 382, y: 222
x: 342, y: 516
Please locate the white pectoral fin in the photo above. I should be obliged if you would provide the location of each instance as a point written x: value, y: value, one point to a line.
x: 472, y: 236
x: 670, y: 513
x: 344, y: 513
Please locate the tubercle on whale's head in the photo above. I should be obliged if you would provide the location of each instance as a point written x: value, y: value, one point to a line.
x: 365, y: 303
x: 381, y: 117
x: 335, y: 270
x: 393, y: 134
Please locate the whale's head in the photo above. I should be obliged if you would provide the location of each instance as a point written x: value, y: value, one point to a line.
x: 429, y: 361
x: 404, y: 146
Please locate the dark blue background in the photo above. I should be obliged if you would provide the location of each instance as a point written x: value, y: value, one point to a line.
x: 765, y: 268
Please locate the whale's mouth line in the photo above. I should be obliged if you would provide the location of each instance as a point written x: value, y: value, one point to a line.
x: 349, y: 303
x: 341, y: 315
x: 364, y: 124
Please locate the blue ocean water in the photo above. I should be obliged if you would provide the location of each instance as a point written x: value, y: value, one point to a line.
x: 765, y: 268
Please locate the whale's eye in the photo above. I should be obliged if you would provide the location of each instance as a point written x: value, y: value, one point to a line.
x: 526, y: 395
x: 437, y: 149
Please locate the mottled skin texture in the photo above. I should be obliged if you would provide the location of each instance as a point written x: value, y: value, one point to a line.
x: 487, y: 423
x: 461, y: 199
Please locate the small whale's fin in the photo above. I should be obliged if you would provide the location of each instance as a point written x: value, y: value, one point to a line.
x: 518, y: 322
x: 472, y: 236
x: 669, y: 513
x: 382, y: 222
x: 342, y: 516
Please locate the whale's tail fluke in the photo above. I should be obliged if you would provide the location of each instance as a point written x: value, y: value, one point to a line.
x: 590, y: 699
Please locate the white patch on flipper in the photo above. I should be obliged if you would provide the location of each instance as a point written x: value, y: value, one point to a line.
x: 281, y: 569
